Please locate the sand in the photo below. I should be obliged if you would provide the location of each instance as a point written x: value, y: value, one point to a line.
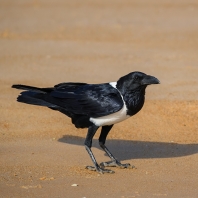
x: 43, y: 43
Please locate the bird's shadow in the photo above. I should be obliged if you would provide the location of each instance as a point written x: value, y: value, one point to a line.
x: 129, y: 149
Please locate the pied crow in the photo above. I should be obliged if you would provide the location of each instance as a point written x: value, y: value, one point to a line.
x: 93, y: 105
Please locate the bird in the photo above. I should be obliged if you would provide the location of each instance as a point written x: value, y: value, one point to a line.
x: 92, y: 106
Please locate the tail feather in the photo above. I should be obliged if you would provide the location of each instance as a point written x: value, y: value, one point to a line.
x: 30, y: 97
x: 31, y: 88
x: 37, y: 96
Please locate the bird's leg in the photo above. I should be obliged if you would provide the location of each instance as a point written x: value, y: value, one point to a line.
x: 114, y: 162
x: 88, y: 143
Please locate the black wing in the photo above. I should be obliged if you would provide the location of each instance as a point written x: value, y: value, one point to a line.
x: 94, y: 100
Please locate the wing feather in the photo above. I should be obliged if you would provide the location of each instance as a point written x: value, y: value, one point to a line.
x: 85, y: 99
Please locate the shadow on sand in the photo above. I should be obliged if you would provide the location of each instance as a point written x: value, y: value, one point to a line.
x: 128, y: 149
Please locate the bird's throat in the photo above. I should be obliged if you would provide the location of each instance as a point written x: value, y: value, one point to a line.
x: 134, y: 100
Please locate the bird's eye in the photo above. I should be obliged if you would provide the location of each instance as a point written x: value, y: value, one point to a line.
x: 136, y: 78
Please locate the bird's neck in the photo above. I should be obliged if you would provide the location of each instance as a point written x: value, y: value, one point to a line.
x: 134, y: 100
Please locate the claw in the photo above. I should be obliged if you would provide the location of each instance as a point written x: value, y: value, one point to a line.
x: 99, y: 169
x: 92, y: 168
x: 116, y: 163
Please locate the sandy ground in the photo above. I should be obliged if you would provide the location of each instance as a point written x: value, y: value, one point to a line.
x: 46, y: 42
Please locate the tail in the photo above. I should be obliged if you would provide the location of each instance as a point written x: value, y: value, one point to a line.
x: 34, y: 95
x: 40, y: 97
x: 31, y: 88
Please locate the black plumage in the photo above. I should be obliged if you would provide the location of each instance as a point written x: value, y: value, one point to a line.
x: 93, y: 105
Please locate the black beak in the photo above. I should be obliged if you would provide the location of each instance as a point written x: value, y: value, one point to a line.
x: 148, y: 80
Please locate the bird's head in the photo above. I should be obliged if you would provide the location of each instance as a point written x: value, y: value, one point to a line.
x: 135, y: 80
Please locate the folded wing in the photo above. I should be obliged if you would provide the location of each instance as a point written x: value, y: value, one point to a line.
x: 85, y: 99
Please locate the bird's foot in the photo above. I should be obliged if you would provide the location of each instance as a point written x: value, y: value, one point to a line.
x: 99, y: 169
x: 116, y: 163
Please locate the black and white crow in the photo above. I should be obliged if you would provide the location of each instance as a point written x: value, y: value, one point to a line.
x: 93, y: 105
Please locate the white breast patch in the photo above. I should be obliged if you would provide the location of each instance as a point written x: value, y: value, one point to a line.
x: 114, y: 117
